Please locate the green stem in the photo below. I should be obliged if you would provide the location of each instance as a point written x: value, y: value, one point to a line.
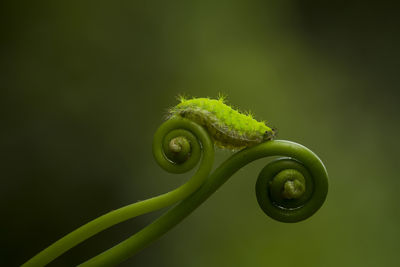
x: 288, y: 196
x: 149, y: 205
x: 132, y: 245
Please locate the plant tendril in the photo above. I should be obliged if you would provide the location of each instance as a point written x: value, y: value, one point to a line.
x: 288, y: 189
x: 199, y: 140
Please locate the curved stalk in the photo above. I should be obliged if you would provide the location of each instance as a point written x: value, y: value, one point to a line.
x: 289, y: 189
x: 189, y: 130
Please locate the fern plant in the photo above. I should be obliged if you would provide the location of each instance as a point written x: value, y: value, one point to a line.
x: 289, y: 189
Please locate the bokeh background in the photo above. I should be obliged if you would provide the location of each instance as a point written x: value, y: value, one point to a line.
x: 84, y: 85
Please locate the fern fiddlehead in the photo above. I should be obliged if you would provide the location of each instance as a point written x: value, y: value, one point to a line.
x: 288, y: 189
x: 292, y: 189
x: 176, y: 149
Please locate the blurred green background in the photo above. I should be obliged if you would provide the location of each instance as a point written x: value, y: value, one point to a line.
x: 84, y: 85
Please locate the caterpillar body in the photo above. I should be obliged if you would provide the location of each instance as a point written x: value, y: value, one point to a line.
x: 228, y: 127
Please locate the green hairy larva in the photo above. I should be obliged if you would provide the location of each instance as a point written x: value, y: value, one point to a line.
x: 228, y: 127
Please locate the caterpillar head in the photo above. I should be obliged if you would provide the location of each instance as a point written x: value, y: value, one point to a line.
x: 270, y: 134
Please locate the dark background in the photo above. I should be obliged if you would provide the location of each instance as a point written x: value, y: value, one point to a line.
x: 84, y: 85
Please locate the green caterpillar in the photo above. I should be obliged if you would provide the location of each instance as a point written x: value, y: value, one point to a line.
x: 228, y: 127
